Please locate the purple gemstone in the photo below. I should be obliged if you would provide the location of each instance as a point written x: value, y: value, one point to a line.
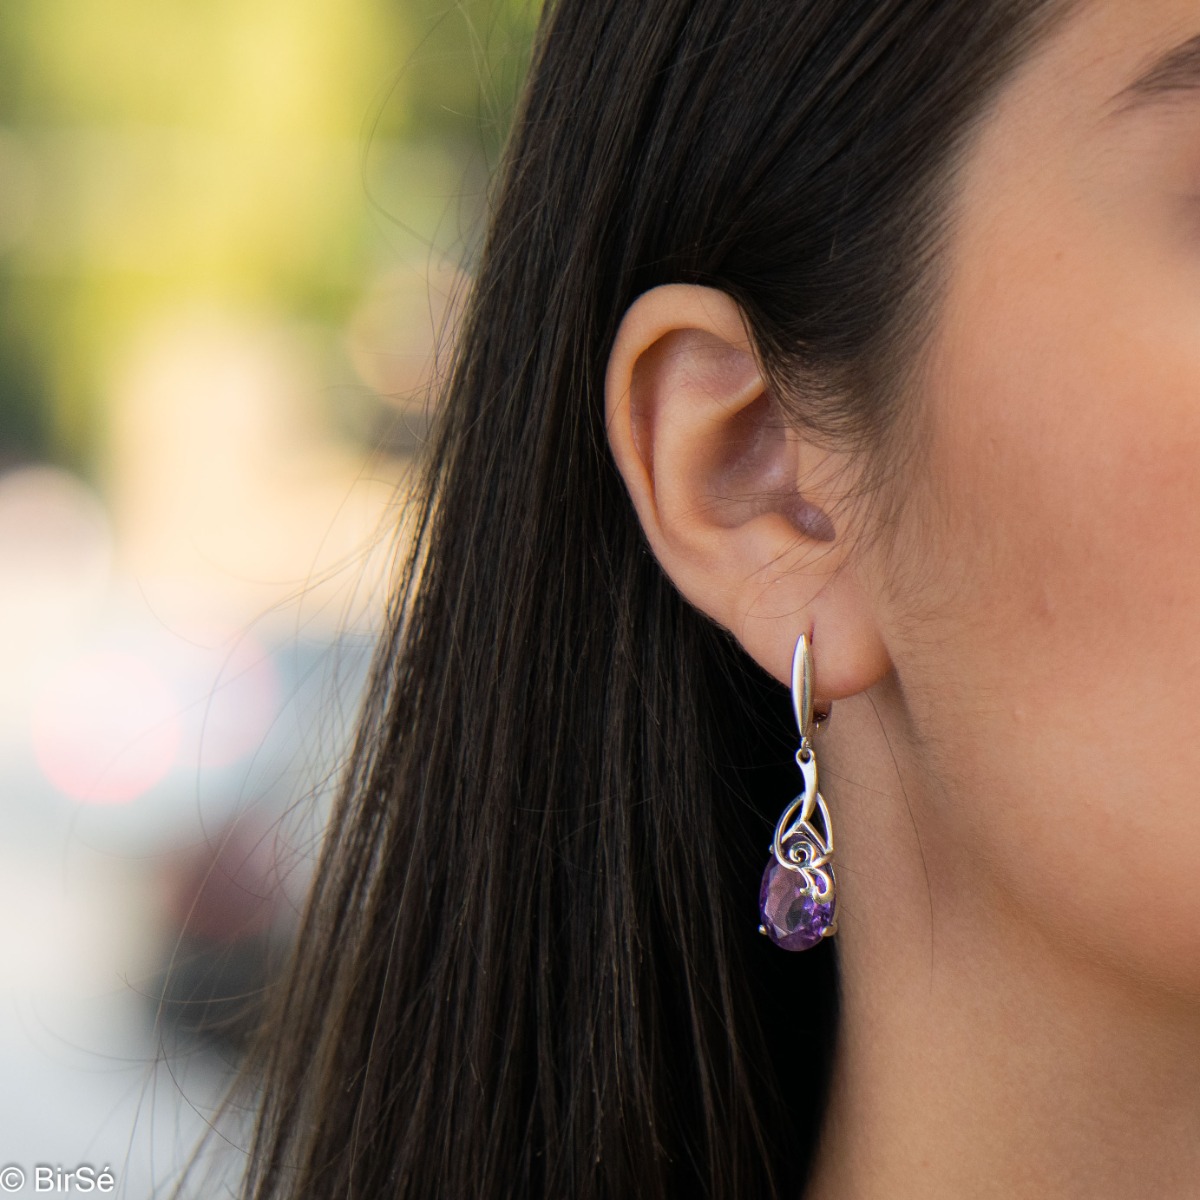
x: 792, y: 917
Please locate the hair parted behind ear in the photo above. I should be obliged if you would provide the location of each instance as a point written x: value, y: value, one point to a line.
x: 529, y: 966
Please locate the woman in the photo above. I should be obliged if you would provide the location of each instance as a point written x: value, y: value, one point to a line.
x: 872, y: 321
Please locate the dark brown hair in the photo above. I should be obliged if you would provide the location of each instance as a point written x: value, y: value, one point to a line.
x: 530, y: 965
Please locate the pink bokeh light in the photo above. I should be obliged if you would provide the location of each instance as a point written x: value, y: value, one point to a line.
x: 106, y: 728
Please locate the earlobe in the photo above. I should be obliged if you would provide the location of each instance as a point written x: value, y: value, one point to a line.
x: 735, y: 504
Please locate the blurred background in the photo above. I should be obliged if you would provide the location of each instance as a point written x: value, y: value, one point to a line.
x: 231, y: 233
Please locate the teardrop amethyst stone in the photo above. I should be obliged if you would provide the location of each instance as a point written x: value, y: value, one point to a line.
x: 792, y: 917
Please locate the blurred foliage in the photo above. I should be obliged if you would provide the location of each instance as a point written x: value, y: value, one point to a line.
x: 262, y: 156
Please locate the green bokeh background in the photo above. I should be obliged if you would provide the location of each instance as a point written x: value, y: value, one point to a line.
x: 266, y: 157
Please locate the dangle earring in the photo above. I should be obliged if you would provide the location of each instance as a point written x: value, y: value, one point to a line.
x: 798, y: 900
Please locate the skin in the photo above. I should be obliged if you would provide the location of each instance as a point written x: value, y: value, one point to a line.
x: 1012, y: 760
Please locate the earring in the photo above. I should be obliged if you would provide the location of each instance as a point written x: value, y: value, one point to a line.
x: 798, y: 899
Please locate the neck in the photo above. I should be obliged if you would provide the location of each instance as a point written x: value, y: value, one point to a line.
x: 976, y: 1057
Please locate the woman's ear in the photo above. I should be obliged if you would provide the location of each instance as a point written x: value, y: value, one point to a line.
x: 736, y: 505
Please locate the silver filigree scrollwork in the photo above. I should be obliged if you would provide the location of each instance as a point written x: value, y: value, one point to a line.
x: 802, y: 844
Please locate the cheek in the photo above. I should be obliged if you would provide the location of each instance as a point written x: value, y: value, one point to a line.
x: 1058, y: 700
x: 1073, y: 480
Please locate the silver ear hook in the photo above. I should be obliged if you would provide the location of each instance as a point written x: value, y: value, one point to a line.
x: 803, y: 676
x: 802, y: 692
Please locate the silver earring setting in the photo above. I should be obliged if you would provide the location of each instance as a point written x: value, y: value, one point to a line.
x: 798, y: 897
